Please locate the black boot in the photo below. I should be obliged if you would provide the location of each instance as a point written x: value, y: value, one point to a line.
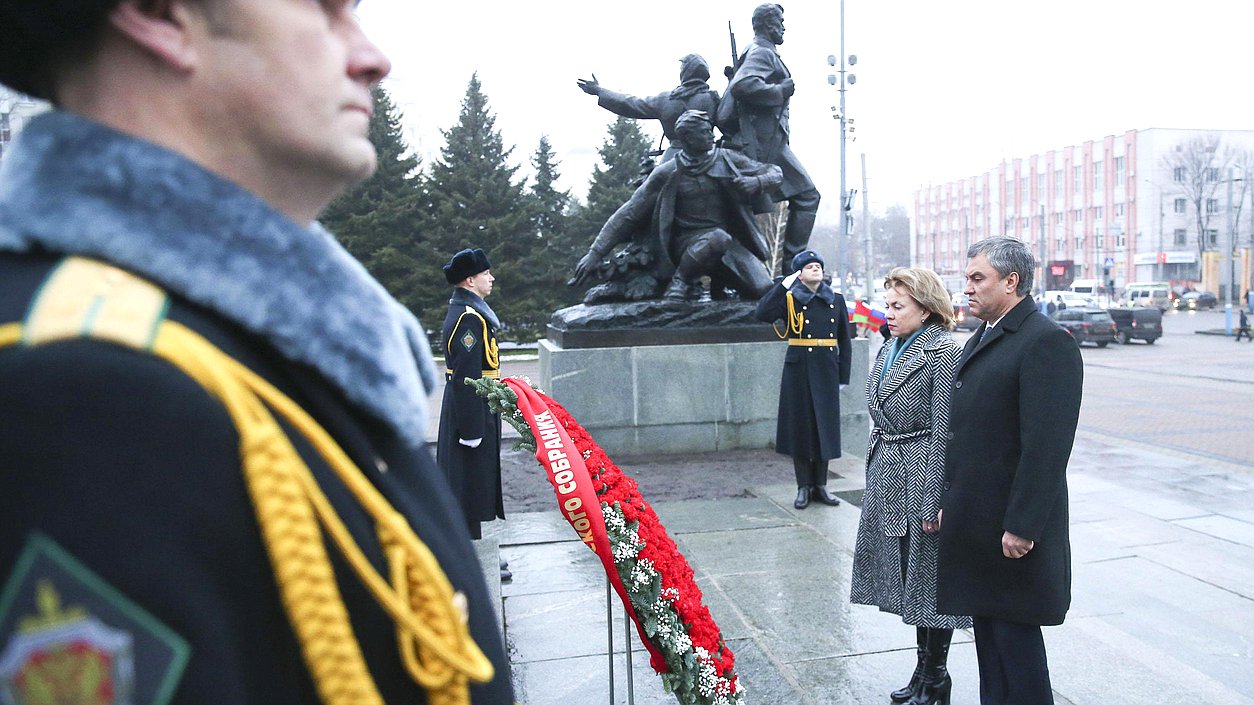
x: 818, y: 478
x: 801, y: 469
x: 822, y: 495
x: 797, y: 233
x: 936, y: 685
x: 506, y: 574
x: 912, y: 688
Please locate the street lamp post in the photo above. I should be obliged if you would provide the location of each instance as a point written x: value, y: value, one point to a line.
x: 841, y: 80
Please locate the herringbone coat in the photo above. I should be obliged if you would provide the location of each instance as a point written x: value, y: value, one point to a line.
x: 904, y: 471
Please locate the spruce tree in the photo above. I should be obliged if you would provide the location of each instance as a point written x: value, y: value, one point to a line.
x: 376, y: 220
x: 473, y: 201
x: 554, y: 252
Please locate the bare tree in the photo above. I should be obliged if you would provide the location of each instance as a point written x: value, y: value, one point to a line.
x: 772, y: 226
x: 1196, y: 166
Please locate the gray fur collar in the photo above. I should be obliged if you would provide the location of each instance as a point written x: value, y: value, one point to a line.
x: 465, y: 297
x: 73, y: 186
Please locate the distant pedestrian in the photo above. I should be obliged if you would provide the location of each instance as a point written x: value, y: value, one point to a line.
x: 1005, y: 553
x: 1244, y: 328
x: 816, y: 367
x: 894, y: 563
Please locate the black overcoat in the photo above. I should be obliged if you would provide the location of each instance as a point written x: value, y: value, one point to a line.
x: 1012, y: 417
x: 809, y: 392
x: 469, y: 342
x: 134, y: 470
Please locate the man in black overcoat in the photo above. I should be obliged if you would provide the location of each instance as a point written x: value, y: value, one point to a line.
x: 816, y: 368
x: 469, y: 448
x: 753, y: 116
x: 1005, y: 555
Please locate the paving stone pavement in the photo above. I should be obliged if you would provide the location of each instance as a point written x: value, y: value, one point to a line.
x: 1163, y: 607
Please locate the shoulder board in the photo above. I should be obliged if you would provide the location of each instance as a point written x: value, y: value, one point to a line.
x: 86, y: 298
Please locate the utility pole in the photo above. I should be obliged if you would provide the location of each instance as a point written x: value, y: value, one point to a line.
x: 1044, y: 264
x: 866, y: 231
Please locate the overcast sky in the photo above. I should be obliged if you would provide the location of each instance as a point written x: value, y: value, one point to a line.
x: 944, y: 89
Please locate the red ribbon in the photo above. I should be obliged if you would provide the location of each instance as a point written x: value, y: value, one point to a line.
x: 576, y: 500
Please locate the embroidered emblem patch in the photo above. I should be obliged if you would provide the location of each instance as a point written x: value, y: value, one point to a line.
x: 68, y: 636
x: 469, y: 340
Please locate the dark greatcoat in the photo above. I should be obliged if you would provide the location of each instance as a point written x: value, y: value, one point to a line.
x: 754, y: 115
x: 905, y: 467
x: 473, y: 473
x: 131, y: 467
x: 809, y: 392
x: 1013, y: 415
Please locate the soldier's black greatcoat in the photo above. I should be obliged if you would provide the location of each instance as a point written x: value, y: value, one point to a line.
x: 134, y: 470
x: 809, y: 393
x: 469, y: 342
x: 1012, y: 420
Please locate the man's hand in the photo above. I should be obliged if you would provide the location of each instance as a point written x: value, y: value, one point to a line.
x: 1014, y: 547
x: 788, y: 87
x: 747, y: 185
x: 589, y: 86
x: 583, y: 270
x: 788, y: 280
x: 472, y: 443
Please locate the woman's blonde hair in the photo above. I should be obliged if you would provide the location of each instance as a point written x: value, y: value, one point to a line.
x: 925, y: 287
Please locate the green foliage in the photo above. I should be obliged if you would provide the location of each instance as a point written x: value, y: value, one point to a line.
x: 473, y: 200
x: 502, y: 400
x: 377, y: 219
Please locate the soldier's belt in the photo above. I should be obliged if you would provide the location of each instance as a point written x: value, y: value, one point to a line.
x: 813, y: 342
x: 490, y: 374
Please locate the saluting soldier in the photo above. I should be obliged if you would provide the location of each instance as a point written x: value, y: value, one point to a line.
x: 816, y: 368
x: 469, y: 448
x: 215, y: 486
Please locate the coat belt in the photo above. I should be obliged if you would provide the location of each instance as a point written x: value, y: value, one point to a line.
x: 901, y: 437
x: 491, y: 374
x: 813, y: 342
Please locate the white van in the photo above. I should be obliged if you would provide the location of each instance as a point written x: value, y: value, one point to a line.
x: 1156, y: 294
x: 1088, y: 288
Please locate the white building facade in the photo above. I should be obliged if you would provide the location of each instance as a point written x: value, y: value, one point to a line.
x: 1123, y: 209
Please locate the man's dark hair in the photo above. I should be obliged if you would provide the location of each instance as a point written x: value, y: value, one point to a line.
x: 40, y: 34
x: 1006, y: 255
x: 765, y: 13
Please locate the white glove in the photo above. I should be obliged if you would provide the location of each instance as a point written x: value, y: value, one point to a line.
x: 788, y: 280
x: 472, y: 443
x: 842, y: 387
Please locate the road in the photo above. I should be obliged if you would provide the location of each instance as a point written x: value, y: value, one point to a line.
x: 1187, y: 392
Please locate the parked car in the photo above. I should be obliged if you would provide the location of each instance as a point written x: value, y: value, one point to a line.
x: 962, y: 314
x: 1194, y: 300
x: 1137, y: 324
x: 1087, y: 325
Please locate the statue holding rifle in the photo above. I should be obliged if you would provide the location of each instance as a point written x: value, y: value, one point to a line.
x: 753, y: 116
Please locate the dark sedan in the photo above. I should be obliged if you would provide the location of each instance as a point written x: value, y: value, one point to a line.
x: 1087, y: 325
x: 1194, y: 300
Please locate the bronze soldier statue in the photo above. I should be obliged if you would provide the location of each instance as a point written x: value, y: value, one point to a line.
x: 692, y: 93
x: 753, y: 116
x: 691, y: 218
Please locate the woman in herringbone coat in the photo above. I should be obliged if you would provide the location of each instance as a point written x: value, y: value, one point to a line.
x: 894, y: 566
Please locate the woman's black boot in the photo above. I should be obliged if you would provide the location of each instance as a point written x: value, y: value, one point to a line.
x: 937, y: 685
x: 901, y: 696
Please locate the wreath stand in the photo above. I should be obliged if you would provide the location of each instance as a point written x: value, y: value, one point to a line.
x: 609, y: 644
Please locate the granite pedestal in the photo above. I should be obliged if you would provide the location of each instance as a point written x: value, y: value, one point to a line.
x: 686, y: 398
